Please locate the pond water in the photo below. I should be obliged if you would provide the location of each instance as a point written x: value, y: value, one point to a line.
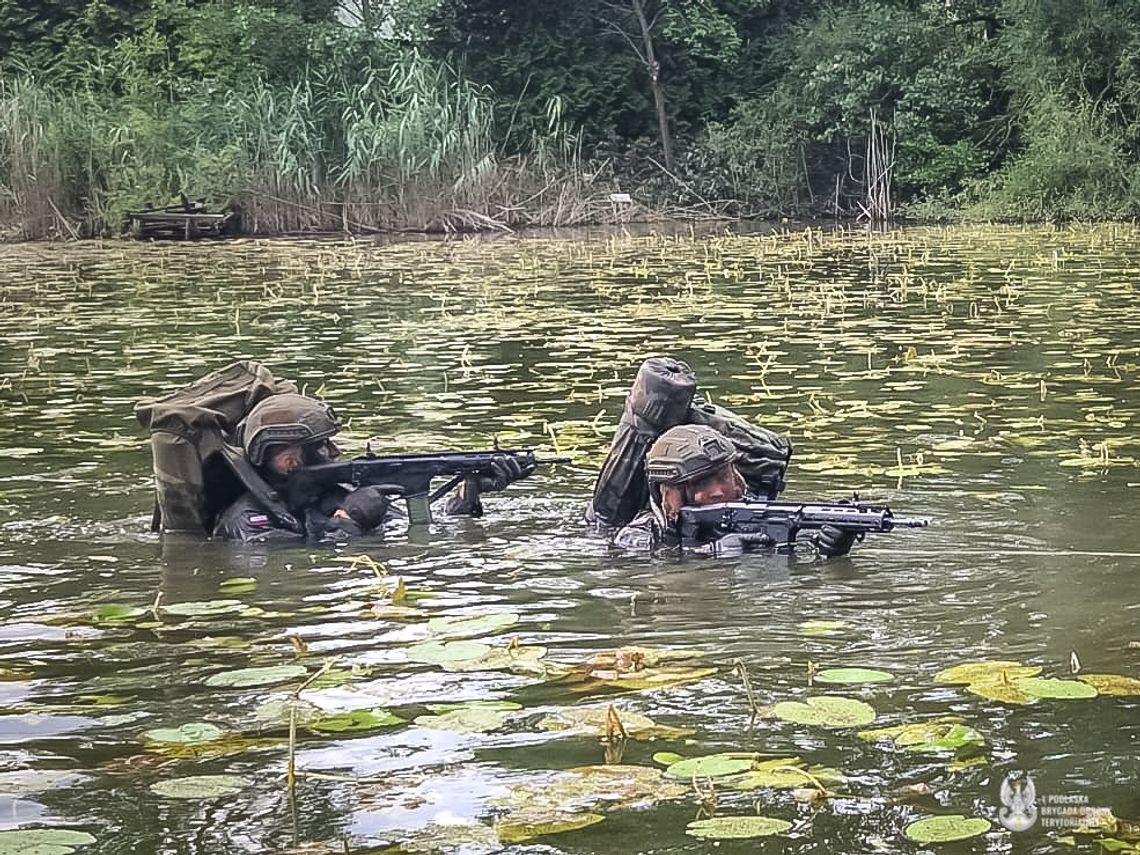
x: 982, y: 377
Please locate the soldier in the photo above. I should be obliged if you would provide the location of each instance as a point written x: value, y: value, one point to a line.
x: 285, y: 431
x: 696, y: 465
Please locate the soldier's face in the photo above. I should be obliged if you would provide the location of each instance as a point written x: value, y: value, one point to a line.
x: 287, y: 459
x: 724, y: 485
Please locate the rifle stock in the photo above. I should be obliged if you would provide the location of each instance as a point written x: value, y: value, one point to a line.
x: 407, y: 475
x: 779, y: 523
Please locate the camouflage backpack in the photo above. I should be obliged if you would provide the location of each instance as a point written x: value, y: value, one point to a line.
x: 664, y: 395
x: 197, y: 473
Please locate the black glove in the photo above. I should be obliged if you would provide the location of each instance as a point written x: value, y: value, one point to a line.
x: 832, y: 542
x: 506, y: 471
x: 367, y: 506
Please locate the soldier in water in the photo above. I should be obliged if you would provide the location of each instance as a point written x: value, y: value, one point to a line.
x: 674, y: 449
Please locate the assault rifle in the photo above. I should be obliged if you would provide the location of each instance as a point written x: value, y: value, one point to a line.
x: 405, y: 475
x: 776, y: 524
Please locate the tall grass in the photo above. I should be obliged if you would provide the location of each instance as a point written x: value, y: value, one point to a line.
x: 409, y: 146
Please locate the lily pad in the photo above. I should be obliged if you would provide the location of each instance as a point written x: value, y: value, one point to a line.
x: 822, y: 627
x: 191, y: 732
x: 986, y: 670
x: 449, y: 652
x: 518, y: 827
x: 43, y: 841
x: 203, y: 609
x: 667, y: 758
x: 944, y: 734
x: 519, y: 658
x: 853, y: 675
x: 468, y: 627
x: 23, y: 782
x: 114, y: 614
x: 943, y: 829
x: 784, y: 773
x: 470, y: 720
x: 1039, y: 687
x: 355, y: 720
x: 596, y: 721
x: 506, y: 706
x: 736, y: 827
x: 201, y: 787
x: 1002, y: 690
x: 710, y: 766
x: 826, y: 711
x: 244, y: 677
x: 237, y: 584
x: 1112, y: 684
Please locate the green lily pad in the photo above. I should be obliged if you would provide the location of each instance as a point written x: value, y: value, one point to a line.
x: 467, y: 627
x: 596, y: 722
x: 784, y: 773
x: 203, y: 609
x: 200, y: 787
x: 450, y: 652
x: 191, y: 732
x: 520, y: 827
x: 710, y: 766
x: 667, y: 758
x: 1039, y: 687
x: 506, y: 706
x: 355, y: 720
x: 943, y: 734
x: 237, y: 584
x: 520, y: 658
x: 736, y: 827
x: 853, y: 675
x: 826, y: 711
x: 1112, y: 684
x: 244, y: 677
x: 43, y: 841
x: 986, y: 670
x: 114, y: 614
x: 822, y: 627
x: 943, y: 829
x: 1001, y: 690
x: 469, y: 720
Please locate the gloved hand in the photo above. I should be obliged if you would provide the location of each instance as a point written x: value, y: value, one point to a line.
x: 506, y: 471
x: 367, y: 506
x: 832, y: 542
x: 733, y: 545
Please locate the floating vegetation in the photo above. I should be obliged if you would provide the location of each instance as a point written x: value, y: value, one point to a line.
x: 852, y: 675
x: 200, y: 787
x: 1112, y: 684
x: 986, y: 671
x: 354, y: 720
x: 947, y: 734
x: 265, y: 676
x: 736, y: 827
x: 946, y: 829
x: 1039, y: 687
x: 465, y: 720
x: 576, y: 797
x: 964, y: 374
x: 43, y: 841
x: 826, y: 711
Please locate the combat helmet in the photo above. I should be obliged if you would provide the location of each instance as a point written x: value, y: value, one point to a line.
x: 686, y: 453
x: 286, y: 419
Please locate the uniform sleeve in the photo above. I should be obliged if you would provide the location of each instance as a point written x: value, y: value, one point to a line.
x: 246, y: 521
x: 637, y: 536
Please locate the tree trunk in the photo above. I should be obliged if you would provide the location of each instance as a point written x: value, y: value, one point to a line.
x: 654, y: 69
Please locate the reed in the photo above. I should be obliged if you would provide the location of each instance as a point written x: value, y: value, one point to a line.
x: 411, y: 146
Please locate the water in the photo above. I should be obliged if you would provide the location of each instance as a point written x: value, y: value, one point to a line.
x: 981, y: 377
